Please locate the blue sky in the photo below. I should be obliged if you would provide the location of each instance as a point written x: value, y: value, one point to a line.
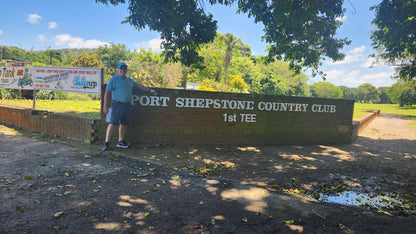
x: 43, y: 24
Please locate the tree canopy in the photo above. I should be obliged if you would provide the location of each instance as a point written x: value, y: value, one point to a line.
x: 301, y: 33
x: 368, y: 93
x: 395, y: 36
x: 326, y: 90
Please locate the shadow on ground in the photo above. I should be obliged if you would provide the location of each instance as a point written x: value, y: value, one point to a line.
x: 48, y: 187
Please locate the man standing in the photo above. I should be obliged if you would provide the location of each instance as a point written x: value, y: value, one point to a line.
x: 121, y: 88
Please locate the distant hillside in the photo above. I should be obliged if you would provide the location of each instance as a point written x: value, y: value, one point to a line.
x: 61, y: 57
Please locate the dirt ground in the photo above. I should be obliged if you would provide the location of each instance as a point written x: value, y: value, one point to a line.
x: 50, y: 185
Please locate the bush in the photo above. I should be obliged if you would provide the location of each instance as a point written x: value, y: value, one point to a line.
x: 48, y: 95
x: 8, y: 94
x: 56, y: 95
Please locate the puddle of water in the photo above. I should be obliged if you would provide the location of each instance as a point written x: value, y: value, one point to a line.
x: 352, y: 198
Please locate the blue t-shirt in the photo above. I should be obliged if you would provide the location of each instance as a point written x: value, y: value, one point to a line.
x: 121, y: 88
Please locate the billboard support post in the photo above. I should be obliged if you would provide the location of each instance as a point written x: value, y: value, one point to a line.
x: 34, y: 98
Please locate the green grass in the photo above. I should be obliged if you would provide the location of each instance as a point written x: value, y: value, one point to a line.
x: 89, y: 109
x: 361, y: 108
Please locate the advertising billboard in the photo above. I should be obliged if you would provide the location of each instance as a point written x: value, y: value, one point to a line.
x: 68, y: 79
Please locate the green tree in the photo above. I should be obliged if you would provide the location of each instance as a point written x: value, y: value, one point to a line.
x: 53, y: 54
x: 237, y: 84
x: 111, y: 55
x: 14, y: 53
x: 395, y: 36
x: 172, y: 75
x: 62, y: 57
x: 69, y: 55
x: 146, y: 68
x: 298, y: 86
x: 396, y: 90
x: 230, y: 44
x: 216, y: 60
x: 325, y: 89
x: 246, y: 67
x: 368, y: 93
x: 299, y: 32
x: 87, y: 60
x: 211, y: 85
x: 213, y: 64
x: 383, y: 97
x: 349, y: 93
x: 408, y: 96
x: 269, y: 82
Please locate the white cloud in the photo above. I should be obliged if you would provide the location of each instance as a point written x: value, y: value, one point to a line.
x: 357, y: 50
x: 373, y: 62
x: 66, y: 40
x: 368, y: 63
x: 53, y: 25
x: 377, y: 76
x: 342, y: 19
x: 356, y: 77
x: 41, y: 37
x: 336, y: 75
x: 353, y: 55
x: 34, y: 18
x: 1, y: 32
x: 154, y: 44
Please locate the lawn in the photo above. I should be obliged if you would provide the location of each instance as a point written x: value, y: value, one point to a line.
x: 361, y: 108
x: 84, y: 108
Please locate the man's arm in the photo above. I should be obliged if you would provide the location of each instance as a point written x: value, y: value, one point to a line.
x: 107, y: 102
x: 146, y: 89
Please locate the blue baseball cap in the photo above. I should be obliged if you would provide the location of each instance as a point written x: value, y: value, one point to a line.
x: 121, y: 64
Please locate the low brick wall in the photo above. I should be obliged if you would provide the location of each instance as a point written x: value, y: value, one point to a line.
x: 196, y: 117
x: 361, y: 123
x: 68, y: 126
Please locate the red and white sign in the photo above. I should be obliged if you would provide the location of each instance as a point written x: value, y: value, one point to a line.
x: 17, y: 63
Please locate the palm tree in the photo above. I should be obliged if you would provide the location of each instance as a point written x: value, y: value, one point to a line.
x: 229, y: 55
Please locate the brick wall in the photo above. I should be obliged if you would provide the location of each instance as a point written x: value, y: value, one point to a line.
x: 196, y: 117
x: 362, y: 122
x: 72, y: 127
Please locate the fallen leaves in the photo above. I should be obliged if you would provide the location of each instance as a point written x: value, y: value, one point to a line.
x: 58, y: 214
x: 291, y: 221
x: 20, y: 208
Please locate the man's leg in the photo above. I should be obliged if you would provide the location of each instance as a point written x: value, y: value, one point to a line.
x: 109, y: 132
x: 124, y: 123
x: 108, y: 137
x: 122, y: 132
